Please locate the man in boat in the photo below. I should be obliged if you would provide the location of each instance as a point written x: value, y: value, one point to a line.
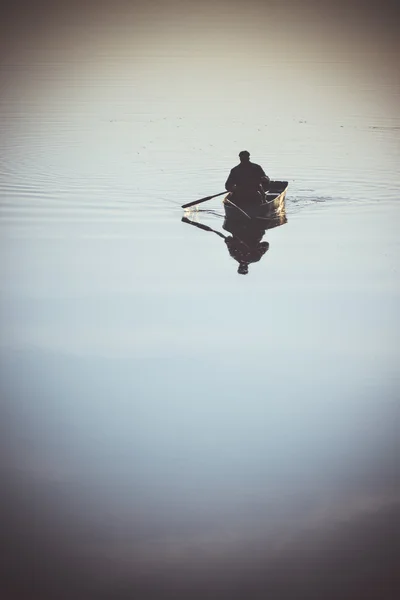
x: 247, y: 181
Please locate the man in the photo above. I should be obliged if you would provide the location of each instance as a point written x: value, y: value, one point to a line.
x: 247, y: 180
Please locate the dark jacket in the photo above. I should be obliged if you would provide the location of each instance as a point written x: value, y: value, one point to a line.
x: 247, y: 176
x: 243, y: 253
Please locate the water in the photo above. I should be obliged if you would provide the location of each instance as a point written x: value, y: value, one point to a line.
x: 170, y: 426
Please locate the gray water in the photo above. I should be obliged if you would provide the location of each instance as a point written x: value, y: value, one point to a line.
x: 169, y: 426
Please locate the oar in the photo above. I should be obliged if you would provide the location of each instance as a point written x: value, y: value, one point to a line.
x: 238, y: 207
x: 202, y: 200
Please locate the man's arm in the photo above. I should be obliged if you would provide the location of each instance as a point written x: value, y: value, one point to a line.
x: 230, y: 182
x: 264, y: 178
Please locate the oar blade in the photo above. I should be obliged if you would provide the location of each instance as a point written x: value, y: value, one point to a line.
x: 202, y: 200
x: 196, y: 202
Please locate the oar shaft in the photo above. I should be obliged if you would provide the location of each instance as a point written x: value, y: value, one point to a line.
x: 202, y: 200
x: 238, y: 207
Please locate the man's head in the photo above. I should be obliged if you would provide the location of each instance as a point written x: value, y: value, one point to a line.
x: 244, y: 156
x: 243, y: 268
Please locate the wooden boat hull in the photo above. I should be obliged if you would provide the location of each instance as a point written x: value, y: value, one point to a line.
x: 274, y: 203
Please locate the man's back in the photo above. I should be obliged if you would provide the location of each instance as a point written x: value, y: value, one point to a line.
x: 246, y: 176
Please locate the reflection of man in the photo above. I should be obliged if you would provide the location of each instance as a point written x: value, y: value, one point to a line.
x: 246, y: 247
x: 247, y: 179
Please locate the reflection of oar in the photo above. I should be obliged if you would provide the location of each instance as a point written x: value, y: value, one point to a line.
x: 206, y: 228
x: 201, y: 226
x: 202, y: 200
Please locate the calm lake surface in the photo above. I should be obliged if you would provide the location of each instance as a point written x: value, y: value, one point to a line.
x: 169, y: 426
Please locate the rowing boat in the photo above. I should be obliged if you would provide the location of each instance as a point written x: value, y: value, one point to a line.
x: 245, y: 243
x: 268, y: 206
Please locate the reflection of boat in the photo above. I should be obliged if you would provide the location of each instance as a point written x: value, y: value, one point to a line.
x: 239, y: 208
x: 245, y: 243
